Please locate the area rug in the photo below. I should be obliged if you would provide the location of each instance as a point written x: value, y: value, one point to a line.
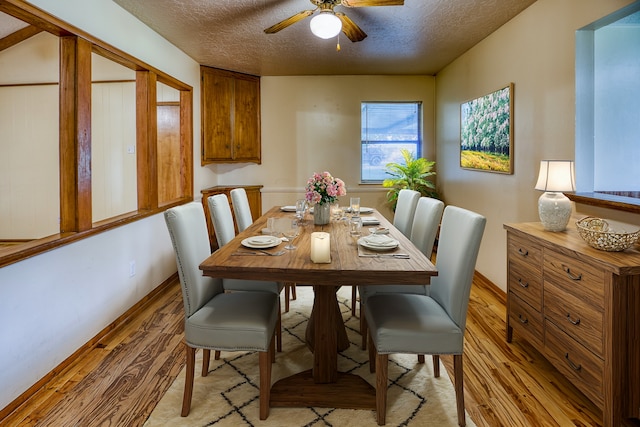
x: 228, y: 396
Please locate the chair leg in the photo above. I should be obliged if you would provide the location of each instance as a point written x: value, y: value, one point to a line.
x: 436, y: 365
x: 265, y: 380
x: 372, y: 355
x: 354, y: 301
x: 217, y: 355
x: 273, y: 348
x: 457, y: 375
x: 382, y: 365
x: 279, y: 330
x: 363, y: 328
x: 206, y: 355
x: 293, y: 291
x: 188, y: 382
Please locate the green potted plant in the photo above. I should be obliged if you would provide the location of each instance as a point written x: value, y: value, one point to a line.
x: 413, y: 174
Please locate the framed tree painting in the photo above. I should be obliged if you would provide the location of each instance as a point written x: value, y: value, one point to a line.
x: 486, y: 132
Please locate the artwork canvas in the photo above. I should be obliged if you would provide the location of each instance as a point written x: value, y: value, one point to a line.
x: 486, y: 132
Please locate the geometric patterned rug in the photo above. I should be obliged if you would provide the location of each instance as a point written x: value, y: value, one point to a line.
x: 228, y: 396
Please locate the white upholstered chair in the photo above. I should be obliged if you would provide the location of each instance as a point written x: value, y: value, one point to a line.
x: 429, y: 324
x: 405, y: 210
x: 402, y: 220
x: 241, y: 208
x: 215, y: 320
x: 424, y: 229
x: 222, y: 221
x: 242, y: 211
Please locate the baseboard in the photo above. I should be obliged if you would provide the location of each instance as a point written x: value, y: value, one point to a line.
x: 90, y: 345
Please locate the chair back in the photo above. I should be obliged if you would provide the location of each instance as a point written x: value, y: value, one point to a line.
x: 458, y: 246
x: 221, y: 219
x: 241, y: 208
x: 188, y: 231
x: 405, y: 210
x: 425, y: 224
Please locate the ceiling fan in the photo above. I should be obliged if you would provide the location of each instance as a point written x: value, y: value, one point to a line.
x: 328, y: 23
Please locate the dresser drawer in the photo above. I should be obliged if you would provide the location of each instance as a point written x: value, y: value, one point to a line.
x: 575, y: 277
x: 525, y: 253
x: 583, y: 368
x: 581, y: 321
x: 525, y: 320
x: 526, y: 284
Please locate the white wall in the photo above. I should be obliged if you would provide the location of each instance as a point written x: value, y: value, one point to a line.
x: 53, y: 303
x: 536, y: 51
x: 312, y: 124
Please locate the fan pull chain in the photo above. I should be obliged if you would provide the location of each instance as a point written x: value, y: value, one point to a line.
x: 338, y: 45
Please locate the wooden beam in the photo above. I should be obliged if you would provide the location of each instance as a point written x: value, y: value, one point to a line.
x: 146, y: 140
x: 75, y: 134
x: 18, y: 36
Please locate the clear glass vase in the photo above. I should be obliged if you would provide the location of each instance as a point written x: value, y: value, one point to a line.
x: 321, y: 213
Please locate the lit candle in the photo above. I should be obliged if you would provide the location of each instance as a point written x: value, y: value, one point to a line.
x: 320, y: 247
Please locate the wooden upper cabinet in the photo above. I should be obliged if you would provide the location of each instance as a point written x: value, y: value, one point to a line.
x: 230, y: 117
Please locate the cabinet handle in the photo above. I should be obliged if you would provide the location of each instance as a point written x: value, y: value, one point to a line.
x: 573, y: 365
x: 523, y: 284
x: 570, y: 274
x: 524, y: 320
x: 575, y: 322
x: 523, y: 252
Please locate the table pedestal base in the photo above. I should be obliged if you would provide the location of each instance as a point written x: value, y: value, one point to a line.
x: 299, y: 390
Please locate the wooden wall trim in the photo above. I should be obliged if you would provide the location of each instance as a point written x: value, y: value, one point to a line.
x: 18, y: 36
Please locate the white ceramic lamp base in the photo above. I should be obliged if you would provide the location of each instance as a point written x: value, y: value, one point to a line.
x: 554, y: 210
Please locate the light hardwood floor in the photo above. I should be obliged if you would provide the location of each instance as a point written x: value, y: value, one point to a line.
x: 119, y: 382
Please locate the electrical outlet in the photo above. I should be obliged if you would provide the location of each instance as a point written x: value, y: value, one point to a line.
x: 132, y: 268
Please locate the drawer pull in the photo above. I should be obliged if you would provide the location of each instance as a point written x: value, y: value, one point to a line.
x: 570, y: 274
x: 523, y: 252
x: 574, y: 322
x: 523, y: 284
x: 523, y: 320
x: 573, y: 365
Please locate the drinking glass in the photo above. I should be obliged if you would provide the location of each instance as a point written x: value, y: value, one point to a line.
x: 271, y: 226
x: 336, y: 211
x: 355, y: 226
x: 355, y: 206
x: 301, y: 207
x: 291, y: 232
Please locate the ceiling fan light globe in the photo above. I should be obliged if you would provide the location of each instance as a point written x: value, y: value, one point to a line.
x: 325, y: 25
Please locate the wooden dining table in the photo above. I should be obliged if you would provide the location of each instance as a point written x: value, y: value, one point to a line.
x: 323, y: 385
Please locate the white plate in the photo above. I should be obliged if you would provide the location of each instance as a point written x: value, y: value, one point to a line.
x: 378, y: 243
x: 370, y: 221
x: 363, y: 210
x: 288, y: 208
x: 261, y: 242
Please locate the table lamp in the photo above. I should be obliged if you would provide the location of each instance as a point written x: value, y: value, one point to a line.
x: 554, y: 207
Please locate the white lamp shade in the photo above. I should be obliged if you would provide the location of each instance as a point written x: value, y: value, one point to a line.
x: 556, y: 176
x: 325, y: 25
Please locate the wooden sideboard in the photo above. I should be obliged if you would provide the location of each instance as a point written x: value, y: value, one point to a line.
x: 255, y: 202
x: 581, y: 308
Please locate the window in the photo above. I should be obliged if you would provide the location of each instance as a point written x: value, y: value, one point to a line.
x: 607, y: 102
x: 388, y: 127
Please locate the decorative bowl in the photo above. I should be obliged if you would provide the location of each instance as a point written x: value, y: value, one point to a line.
x: 606, y: 236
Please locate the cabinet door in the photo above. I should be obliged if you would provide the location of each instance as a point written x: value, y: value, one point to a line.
x: 217, y: 130
x: 246, y: 141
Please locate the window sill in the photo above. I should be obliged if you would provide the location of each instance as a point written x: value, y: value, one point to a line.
x: 610, y: 201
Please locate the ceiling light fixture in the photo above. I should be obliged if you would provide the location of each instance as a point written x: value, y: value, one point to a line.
x: 325, y: 25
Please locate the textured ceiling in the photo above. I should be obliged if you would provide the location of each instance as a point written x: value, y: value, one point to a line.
x: 420, y: 37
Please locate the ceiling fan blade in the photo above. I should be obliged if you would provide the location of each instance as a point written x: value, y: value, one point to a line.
x: 365, y: 3
x: 350, y: 29
x: 289, y: 21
